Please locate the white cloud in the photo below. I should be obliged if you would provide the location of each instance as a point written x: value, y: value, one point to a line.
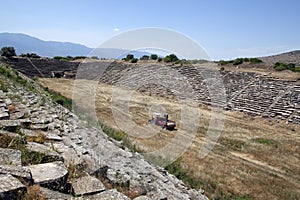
x: 116, y: 29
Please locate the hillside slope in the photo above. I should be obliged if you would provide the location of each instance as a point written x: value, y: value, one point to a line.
x: 288, y: 57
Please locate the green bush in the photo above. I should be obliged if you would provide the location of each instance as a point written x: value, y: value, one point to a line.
x: 246, y: 59
x: 280, y: 66
x: 79, y: 57
x: 296, y: 69
x: 8, y: 52
x: 159, y: 59
x: 128, y: 57
x: 30, y: 55
x: 254, y: 60
x: 134, y: 60
x: 238, y: 61
x: 283, y: 66
x: 223, y: 62
x: 144, y: 57
x: 171, y: 58
x: 154, y: 57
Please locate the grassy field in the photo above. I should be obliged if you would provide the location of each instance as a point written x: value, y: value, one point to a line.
x: 254, y: 158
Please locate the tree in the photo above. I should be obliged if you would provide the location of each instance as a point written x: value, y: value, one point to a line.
x: 8, y: 52
x: 134, y: 60
x: 255, y: 60
x: 238, y: 61
x: 153, y: 57
x: 129, y: 57
x: 171, y: 58
x: 144, y: 57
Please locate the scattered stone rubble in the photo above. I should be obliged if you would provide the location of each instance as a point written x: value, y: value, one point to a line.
x: 77, y: 161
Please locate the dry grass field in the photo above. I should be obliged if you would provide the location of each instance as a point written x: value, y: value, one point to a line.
x: 254, y: 158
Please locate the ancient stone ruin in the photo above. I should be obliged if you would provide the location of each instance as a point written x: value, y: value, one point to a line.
x: 45, y: 145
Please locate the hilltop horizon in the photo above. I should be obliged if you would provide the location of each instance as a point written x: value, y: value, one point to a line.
x: 24, y: 43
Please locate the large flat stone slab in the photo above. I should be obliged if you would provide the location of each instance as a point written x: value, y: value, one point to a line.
x: 10, y: 157
x: 108, y: 195
x: 10, y: 187
x: 17, y: 171
x: 4, y: 115
x: 87, y: 185
x: 10, y: 125
x: 50, y: 154
x: 50, y: 175
x: 51, y: 194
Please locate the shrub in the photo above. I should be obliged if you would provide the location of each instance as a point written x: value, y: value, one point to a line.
x: 94, y: 57
x: 129, y: 57
x: 8, y: 52
x: 144, y: 57
x: 57, y: 57
x: 171, y: 58
x: 291, y: 65
x: 153, y: 57
x: 254, y: 60
x: 79, y: 57
x: 280, y: 66
x: 296, y: 69
x: 223, y: 62
x: 246, y: 59
x: 134, y: 60
x: 30, y: 55
x: 238, y: 61
x: 159, y: 59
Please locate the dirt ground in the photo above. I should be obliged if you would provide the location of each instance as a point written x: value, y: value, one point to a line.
x: 254, y: 158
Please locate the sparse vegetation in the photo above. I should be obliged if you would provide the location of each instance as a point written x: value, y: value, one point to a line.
x: 177, y: 170
x: 233, y: 144
x: 196, y: 61
x: 239, y: 61
x: 12, y: 75
x: 34, y: 193
x: 58, y: 98
x: 284, y: 66
x: 70, y: 58
x: 28, y: 157
x: 30, y: 55
x: 266, y: 141
x: 253, y: 60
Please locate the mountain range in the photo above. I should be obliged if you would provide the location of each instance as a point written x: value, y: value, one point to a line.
x: 27, y: 44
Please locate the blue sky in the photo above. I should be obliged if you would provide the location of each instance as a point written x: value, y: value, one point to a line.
x: 226, y: 29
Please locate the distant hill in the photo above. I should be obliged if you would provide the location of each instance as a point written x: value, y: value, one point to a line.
x: 289, y: 57
x: 27, y: 44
